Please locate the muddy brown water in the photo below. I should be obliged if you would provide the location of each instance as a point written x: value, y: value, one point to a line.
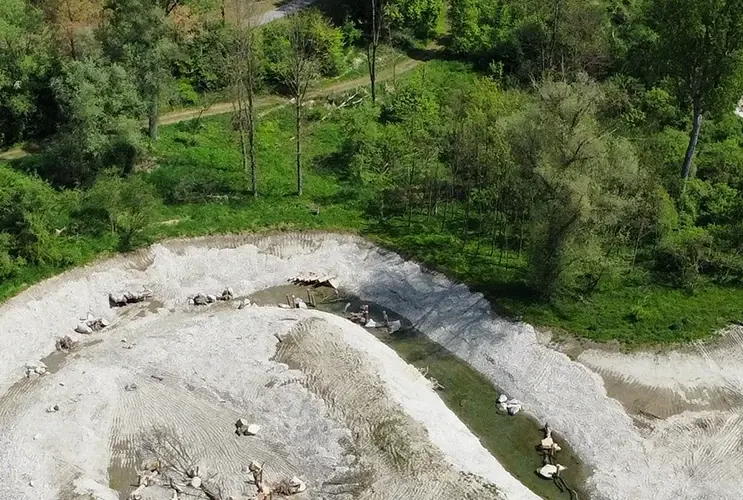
x: 469, y: 394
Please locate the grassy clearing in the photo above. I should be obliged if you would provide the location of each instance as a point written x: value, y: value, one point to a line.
x: 207, y: 159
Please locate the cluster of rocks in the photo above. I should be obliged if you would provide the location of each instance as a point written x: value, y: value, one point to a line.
x: 127, y: 298
x: 548, y: 447
x: 38, y: 369
x: 91, y: 324
x: 512, y: 406
x: 202, y: 299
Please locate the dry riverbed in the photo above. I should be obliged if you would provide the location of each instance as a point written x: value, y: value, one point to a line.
x: 336, y: 406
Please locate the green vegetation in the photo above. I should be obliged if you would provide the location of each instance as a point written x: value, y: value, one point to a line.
x: 554, y: 156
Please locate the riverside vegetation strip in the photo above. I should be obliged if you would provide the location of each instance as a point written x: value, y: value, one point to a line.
x: 633, y: 309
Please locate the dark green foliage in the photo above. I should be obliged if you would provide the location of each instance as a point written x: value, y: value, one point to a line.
x: 26, y: 65
x: 201, y: 62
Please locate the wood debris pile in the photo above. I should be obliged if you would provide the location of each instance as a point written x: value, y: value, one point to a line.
x: 314, y: 279
x: 362, y: 317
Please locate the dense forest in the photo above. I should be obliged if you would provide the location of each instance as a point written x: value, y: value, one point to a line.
x: 579, y: 161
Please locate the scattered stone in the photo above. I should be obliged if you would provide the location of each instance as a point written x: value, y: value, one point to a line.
x: 298, y: 486
x: 227, y: 294
x: 502, y: 398
x: 131, y: 387
x: 91, y: 325
x: 196, y: 482
x: 299, y: 303
x: 52, y: 409
x: 123, y: 340
x: 513, y: 406
x: 241, y: 422
x: 65, y: 343
x: 211, y: 298
x: 394, y: 326
x: 549, y: 470
x: 251, y: 430
x: 200, y: 299
x: 245, y: 303
x: 157, y: 377
x: 31, y: 484
x: 83, y: 329
x: 37, y: 437
x: 35, y: 369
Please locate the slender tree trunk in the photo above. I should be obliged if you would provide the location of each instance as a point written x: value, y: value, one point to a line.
x: 250, y: 90
x: 371, y: 49
x: 251, y: 142
x: 153, y: 119
x: 693, y: 139
x: 298, y: 122
x: 373, y: 74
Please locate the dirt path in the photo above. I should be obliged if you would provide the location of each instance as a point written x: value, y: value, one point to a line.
x: 270, y: 101
x: 264, y: 103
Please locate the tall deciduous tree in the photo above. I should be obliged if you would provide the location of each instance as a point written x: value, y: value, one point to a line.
x: 700, y: 45
x: 244, y: 67
x: 101, y: 109
x: 584, y: 181
x: 298, y: 68
x: 373, y: 39
x: 139, y: 36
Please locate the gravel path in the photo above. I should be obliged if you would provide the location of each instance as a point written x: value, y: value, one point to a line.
x: 215, y: 356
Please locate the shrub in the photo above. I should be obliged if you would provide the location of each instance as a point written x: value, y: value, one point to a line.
x: 683, y: 253
x: 122, y: 206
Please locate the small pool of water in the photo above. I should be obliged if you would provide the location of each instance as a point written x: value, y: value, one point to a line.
x: 468, y: 393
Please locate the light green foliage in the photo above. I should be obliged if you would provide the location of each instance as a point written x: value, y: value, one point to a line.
x: 25, y: 61
x: 412, y: 100
x: 419, y: 17
x: 683, y: 253
x: 534, y: 36
x: 324, y: 45
x: 585, y: 182
x: 30, y: 211
x: 101, y: 108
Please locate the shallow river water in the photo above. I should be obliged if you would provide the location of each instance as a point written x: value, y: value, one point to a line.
x: 470, y: 395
